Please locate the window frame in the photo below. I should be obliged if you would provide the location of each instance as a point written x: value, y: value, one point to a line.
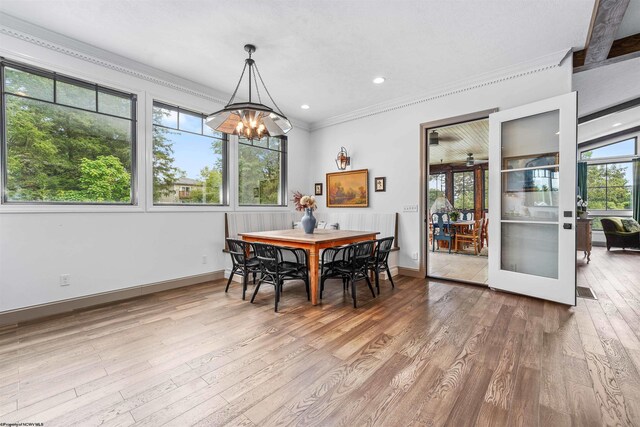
x: 152, y: 101
x: 62, y: 206
x: 444, y: 181
x: 284, y: 202
x: 485, y: 190
x: 464, y: 190
x: 587, y: 146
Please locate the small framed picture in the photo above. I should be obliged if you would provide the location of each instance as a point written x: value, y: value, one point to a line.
x: 381, y: 183
x: 318, y: 189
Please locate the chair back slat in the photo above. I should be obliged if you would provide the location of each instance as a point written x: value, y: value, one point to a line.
x: 383, y: 248
x: 268, y: 256
x: 238, y: 250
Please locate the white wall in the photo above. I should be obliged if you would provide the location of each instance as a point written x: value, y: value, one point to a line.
x: 105, y: 250
x: 388, y: 144
x: 607, y: 86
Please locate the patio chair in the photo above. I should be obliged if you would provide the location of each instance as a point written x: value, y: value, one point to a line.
x: 470, y: 237
x: 442, y: 231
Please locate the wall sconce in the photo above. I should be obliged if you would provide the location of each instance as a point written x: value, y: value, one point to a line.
x: 343, y: 160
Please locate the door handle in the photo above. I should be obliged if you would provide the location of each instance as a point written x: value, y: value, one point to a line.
x: 567, y: 226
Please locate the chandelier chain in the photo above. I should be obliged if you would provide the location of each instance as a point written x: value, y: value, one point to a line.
x: 267, y: 90
x: 238, y: 85
x: 256, y: 84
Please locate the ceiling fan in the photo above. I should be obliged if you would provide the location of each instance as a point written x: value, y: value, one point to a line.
x: 471, y: 161
x: 435, y: 138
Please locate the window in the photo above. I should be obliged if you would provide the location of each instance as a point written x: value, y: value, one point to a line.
x: 616, y: 149
x: 609, y: 178
x: 463, y: 190
x: 610, y: 186
x: 66, y: 140
x: 437, y: 186
x: 262, y: 171
x: 189, y: 158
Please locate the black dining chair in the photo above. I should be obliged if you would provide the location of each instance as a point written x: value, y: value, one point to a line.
x: 380, y: 260
x: 332, y: 265
x: 356, y: 267
x: 278, y: 264
x: 244, y: 263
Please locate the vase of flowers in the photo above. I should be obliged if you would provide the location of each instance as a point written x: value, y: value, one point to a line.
x: 454, y: 215
x: 581, y: 206
x: 306, y: 204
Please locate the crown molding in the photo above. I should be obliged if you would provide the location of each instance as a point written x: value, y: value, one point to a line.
x: 522, y: 69
x: 39, y: 36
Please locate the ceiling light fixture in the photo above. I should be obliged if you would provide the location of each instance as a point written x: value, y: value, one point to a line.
x: 251, y: 120
x: 304, y: 106
x: 616, y: 125
x: 379, y: 80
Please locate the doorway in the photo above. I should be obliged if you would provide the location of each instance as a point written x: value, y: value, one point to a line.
x: 455, y: 198
x: 531, y: 206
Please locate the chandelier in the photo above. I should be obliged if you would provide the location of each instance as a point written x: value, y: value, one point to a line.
x: 250, y: 120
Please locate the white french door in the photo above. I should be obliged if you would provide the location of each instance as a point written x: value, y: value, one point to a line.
x: 532, y: 188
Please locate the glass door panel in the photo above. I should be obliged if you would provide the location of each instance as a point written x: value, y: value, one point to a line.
x: 531, y: 194
x: 530, y: 248
x: 531, y: 148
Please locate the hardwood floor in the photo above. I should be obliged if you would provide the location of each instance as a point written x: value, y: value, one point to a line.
x: 426, y: 353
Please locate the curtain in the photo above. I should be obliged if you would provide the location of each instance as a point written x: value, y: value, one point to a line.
x: 582, y: 180
x: 636, y: 189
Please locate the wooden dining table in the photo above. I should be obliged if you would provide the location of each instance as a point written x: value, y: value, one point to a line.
x: 312, y: 243
x: 460, y: 226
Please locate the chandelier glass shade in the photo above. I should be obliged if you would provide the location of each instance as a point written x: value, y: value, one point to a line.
x: 250, y: 120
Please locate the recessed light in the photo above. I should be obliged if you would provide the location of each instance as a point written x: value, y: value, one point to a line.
x: 616, y: 125
x: 304, y: 106
x: 379, y: 80
x: 558, y: 133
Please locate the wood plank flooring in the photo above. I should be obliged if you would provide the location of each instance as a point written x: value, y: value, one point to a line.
x: 424, y: 354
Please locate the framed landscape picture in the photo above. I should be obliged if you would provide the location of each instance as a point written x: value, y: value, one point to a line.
x: 348, y: 189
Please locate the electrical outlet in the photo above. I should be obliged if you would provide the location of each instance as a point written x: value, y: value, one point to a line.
x: 204, y: 259
x: 65, y: 279
x: 415, y: 255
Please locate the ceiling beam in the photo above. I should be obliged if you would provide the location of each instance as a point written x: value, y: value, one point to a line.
x: 621, y: 50
x: 605, y: 22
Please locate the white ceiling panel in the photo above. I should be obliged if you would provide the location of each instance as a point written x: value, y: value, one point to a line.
x: 323, y: 53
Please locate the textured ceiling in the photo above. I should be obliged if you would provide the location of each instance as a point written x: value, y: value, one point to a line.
x: 458, y: 140
x: 323, y: 52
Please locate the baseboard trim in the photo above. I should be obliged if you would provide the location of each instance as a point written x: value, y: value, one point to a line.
x: 40, y: 311
x: 411, y: 272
